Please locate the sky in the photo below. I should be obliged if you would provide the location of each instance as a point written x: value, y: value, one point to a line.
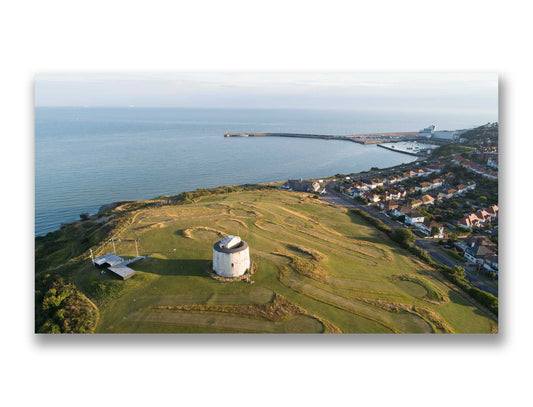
x: 468, y: 91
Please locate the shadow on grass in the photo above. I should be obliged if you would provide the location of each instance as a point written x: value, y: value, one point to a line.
x: 174, y: 267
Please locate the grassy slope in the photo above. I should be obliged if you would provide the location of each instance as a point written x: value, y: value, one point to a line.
x: 358, y: 294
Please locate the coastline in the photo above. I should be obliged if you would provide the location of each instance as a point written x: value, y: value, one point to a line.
x: 110, y: 206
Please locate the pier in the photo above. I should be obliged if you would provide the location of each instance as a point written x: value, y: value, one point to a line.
x: 366, y: 138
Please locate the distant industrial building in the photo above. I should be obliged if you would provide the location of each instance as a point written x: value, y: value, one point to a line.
x: 432, y: 132
x: 444, y: 135
x: 427, y: 131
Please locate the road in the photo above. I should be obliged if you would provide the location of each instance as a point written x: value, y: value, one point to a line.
x: 337, y: 198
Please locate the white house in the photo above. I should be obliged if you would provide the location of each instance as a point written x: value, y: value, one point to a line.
x: 414, y: 218
x: 426, y: 227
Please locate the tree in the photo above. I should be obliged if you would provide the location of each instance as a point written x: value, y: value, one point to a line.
x: 459, y: 271
x: 435, y: 230
x: 403, y: 236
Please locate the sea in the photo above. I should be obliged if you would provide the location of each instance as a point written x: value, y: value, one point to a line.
x: 87, y: 157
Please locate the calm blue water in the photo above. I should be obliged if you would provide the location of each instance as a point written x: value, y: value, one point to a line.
x: 87, y: 157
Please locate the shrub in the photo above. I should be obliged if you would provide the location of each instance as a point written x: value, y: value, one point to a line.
x: 403, y: 236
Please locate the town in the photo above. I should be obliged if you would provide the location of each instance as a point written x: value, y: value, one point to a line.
x: 449, y: 200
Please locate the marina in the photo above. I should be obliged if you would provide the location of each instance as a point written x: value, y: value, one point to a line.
x: 410, y: 147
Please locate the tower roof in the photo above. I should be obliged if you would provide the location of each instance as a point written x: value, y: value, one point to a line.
x: 230, y: 244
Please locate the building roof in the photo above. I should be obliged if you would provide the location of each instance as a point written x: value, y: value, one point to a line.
x: 230, y: 241
x: 389, y: 205
x: 221, y: 245
x: 122, y: 271
x: 110, y: 258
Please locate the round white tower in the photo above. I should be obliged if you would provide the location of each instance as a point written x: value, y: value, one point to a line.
x: 231, y: 257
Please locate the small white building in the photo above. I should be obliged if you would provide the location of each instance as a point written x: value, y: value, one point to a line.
x: 231, y: 257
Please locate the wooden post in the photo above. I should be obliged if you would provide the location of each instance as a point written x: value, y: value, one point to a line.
x: 136, y: 248
x: 92, y: 257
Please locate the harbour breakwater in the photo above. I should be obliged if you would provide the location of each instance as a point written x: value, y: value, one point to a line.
x: 367, y: 138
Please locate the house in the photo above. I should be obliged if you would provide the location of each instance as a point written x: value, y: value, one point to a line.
x: 426, y: 227
x: 403, y: 210
x: 371, y: 197
x: 388, y: 206
x: 415, y: 203
x: 493, y: 161
x: 490, y: 263
x: 461, y: 188
x: 356, y: 191
x: 477, y: 254
x: 448, y: 193
x: 414, y: 218
x: 420, y: 172
x: 483, y: 216
x: 469, y: 221
x: 423, y: 187
x: 392, y: 179
x: 437, y: 182
x: 298, y: 185
x: 458, y: 159
x: 479, y: 240
x: 315, y: 187
x: 434, y: 168
x: 428, y: 200
x: 493, y: 211
x: 392, y: 195
x: 372, y: 184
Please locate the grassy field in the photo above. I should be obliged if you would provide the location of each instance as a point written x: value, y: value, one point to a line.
x: 317, y: 270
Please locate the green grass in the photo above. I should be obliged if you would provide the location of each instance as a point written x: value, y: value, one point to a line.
x: 331, y: 268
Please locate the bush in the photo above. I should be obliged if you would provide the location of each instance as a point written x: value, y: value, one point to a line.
x: 403, y: 236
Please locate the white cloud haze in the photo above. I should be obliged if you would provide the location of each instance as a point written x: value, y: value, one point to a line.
x: 337, y: 90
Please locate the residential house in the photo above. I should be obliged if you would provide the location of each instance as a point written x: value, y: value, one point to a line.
x: 388, y: 205
x: 448, y: 193
x: 469, y: 221
x: 490, y: 263
x: 428, y: 200
x: 436, y: 183
x: 415, y: 203
x: 392, y: 179
x: 414, y: 218
x: 434, y: 168
x: 493, y: 211
x: 483, y: 216
x: 423, y: 187
x: 425, y: 227
x: 392, y: 194
x: 298, y: 185
x: 356, y: 191
x: 461, y: 188
x: 371, y: 196
x: 402, y: 210
x: 478, y: 254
